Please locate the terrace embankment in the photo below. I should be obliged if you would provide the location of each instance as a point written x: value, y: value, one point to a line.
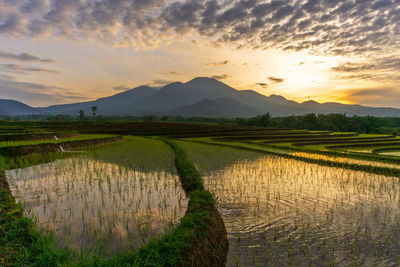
x: 209, y: 246
x: 212, y: 249
x: 24, y: 137
x: 15, y: 151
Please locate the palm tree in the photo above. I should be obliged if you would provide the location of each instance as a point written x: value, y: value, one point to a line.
x: 94, y: 110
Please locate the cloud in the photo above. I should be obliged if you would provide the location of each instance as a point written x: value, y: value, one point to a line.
x: 318, y: 26
x: 35, y: 93
x: 263, y: 85
x: 33, y: 6
x: 333, y: 27
x: 272, y: 80
x: 221, y: 63
x: 384, y: 97
x: 380, y: 69
x: 276, y: 80
x: 121, y: 88
x: 220, y: 77
x: 160, y: 82
x: 24, y: 70
x: 12, y: 25
x: 173, y: 73
x: 24, y: 57
x: 323, y: 27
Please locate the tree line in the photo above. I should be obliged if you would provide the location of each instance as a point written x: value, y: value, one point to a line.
x: 314, y: 122
x: 330, y: 122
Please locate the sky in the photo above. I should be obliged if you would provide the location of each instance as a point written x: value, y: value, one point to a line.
x: 65, y: 51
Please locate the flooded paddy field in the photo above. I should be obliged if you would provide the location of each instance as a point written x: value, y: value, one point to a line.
x: 346, y: 160
x: 391, y: 153
x: 309, y: 155
x: 110, y: 199
x: 281, y: 212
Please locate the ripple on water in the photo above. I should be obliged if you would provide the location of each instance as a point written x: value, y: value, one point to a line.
x: 89, y: 203
x: 280, y: 211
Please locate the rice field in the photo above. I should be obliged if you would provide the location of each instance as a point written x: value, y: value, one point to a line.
x: 282, y: 212
x: 106, y: 201
x: 279, y: 208
x: 391, y: 153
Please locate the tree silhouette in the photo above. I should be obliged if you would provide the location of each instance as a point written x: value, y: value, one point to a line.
x: 94, y: 110
x: 81, y: 115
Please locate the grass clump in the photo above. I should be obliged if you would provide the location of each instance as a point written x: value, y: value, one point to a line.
x: 190, y: 177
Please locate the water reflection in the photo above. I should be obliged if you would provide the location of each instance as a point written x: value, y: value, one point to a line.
x: 93, y: 204
x: 346, y: 160
x: 281, y: 212
x: 393, y: 153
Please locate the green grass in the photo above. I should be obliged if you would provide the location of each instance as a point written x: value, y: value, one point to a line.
x: 190, y: 177
x: 21, y: 244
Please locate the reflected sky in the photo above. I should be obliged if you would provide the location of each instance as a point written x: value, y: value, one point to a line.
x: 279, y: 211
x: 98, y: 205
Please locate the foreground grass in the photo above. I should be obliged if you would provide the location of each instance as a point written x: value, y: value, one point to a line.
x: 21, y: 243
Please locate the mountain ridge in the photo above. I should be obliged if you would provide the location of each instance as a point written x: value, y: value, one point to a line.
x: 198, y: 97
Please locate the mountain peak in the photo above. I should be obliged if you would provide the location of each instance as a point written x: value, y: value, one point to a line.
x: 277, y: 97
x: 205, y: 81
x: 310, y: 102
x: 202, y: 79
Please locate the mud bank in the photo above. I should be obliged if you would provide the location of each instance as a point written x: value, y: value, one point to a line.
x: 15, y: 151
x: 24, y: 137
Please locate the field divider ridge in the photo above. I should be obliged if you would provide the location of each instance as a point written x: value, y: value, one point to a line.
x: 209, y: 246
x: 386, y: 171
x: 15, y: 151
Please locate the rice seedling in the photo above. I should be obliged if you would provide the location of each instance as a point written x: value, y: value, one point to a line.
x: 104, y: 200
x: 346, y: 160
x: 282, y: 212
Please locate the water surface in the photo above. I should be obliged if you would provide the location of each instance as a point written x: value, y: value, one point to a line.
x: 281, y: 212
x: 107, y: 200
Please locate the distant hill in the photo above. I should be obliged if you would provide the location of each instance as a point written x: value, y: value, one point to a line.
x: 12, y: 107
x: 200, y: 97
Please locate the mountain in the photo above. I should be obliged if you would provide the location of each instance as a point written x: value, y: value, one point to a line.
x: 200, y: 97
x: 332, y: 107
x: 118, y: 104
x: 221, y: 107
x: 179, y: 94
x: 12, y: 107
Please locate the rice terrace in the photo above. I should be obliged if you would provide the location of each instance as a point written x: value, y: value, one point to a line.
x: 205, y: 133
x: 193, y: 194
